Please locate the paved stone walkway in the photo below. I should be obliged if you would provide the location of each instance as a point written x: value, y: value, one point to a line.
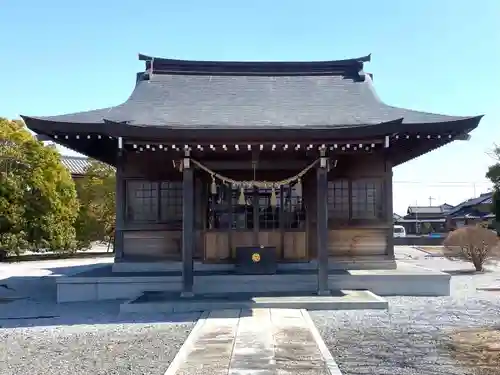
x: 260, y: 341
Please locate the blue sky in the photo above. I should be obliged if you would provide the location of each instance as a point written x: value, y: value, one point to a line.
x: 433, y: 55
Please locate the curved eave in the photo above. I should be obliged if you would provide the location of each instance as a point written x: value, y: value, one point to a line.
x: 456, y: 125
x: 48, y: 128
x: 401, y: 152
x: 182, y: 132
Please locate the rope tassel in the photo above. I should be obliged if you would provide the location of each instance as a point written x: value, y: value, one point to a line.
x: 274, y: 201
x: 298, y: 187
x: 241, y: 200
x: 213, y: 187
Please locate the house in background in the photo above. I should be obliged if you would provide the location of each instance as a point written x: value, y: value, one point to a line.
x: 425, y: 219
x: 471, y: 211
x: 396, y: 218
x: 76, y: 165
x: 447, y: 207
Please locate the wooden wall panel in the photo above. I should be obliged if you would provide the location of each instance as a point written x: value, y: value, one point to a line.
x: 357, y: 242
x: 152, y: 244
x: 241, y: 239
x: 152, y: 166
x: 295, y: 246
x: 216, y: 246
x: 271, y: 239
x: 352, y: 166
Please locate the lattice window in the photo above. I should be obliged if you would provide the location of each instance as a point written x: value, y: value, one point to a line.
x: 219, y: 215
x: 223, y: 214
x: 338, y: 199
x: 242, y: 215
x: 294, y: 214
x: 366, y: 202
x: 151, y: 201
x: 269, y: 216
x: 171, y: 201
x: 142, y: 201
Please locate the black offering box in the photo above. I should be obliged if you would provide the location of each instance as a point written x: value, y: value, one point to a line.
x: 256, y: 260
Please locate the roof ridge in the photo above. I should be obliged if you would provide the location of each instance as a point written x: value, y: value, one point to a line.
x: 366, y: 58
x: 157, y: 65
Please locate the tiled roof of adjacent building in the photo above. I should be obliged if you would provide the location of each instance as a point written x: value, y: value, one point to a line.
x: 421, y: 210
x: 396, y: 217
x: 76, y: 165
x: 486, y: 198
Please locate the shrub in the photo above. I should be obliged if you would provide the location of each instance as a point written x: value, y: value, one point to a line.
x: 472, y: 243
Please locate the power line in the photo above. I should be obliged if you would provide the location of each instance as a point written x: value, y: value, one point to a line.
x: 445, y: 184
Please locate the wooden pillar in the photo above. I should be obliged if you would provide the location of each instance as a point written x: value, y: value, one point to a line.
x: 228, y: 196
x: 388, y: 208
x: 256, y: 216
x: 281, y: 219
x: 120, y: 202
x: 322, y: 225
x: 187, y: 227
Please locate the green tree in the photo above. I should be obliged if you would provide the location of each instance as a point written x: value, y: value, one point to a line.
x: 493, y: 175
x: 38, y: 203
x: 96, y: 192
x: 426, y: 228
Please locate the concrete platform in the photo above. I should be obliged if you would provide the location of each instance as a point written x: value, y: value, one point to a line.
x: 151, y: 302
x: 104, y: 284
x: 258, y: 341
x: 338, y: 263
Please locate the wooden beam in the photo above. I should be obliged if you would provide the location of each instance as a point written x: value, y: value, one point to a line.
x: 388, y: 207
x: 322, y: 229
x: 256, y: 145
x: 281, y: 213
x: 255, y: 216
x: 188, y: 239
x: 120, y: 202
x: 262, y: 165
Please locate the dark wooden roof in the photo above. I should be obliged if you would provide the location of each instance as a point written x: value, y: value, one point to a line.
x: 486, y: 198
x: 328, y: 95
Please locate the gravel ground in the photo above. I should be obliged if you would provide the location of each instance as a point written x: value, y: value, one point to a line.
x: 411, y: 337
x: 88, y: 339
x: 90, y: 349
x: 39, y: 336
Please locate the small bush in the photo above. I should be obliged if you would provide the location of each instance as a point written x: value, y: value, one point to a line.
x: 472, y: 243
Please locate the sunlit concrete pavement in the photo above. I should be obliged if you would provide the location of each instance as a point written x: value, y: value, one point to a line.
x: 258, y: 341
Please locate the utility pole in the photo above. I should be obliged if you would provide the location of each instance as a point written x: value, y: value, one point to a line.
x: 417, y: 224
x: 430, y: 200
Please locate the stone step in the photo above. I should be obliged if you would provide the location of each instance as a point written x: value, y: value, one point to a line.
x: 255, y: 283
x: 172, y: 302
x: 254, y: 341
